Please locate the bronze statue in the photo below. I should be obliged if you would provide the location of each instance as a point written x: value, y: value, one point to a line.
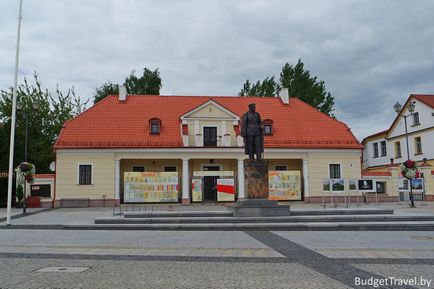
x: 252, y: 130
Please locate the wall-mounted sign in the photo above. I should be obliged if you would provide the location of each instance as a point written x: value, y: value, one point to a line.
x: 337, y: 185
x: 150, y: 187
x: 225, y: 190
x: 366, y: 185
x: 197, y: 190
x: 213, y: 173
x: 284, y: 185
x: 403, y: 184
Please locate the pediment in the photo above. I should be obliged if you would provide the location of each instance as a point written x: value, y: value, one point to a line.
x: 210, y: 110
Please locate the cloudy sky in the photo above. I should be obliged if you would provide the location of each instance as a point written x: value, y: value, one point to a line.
x: 369, y: 53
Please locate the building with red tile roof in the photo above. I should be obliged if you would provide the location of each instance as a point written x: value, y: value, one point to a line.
x: 192, y: 142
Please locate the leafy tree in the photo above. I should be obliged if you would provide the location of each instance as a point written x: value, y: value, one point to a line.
x: 44, y: 124
x: 265, y: 88
x: 299, y: 83
x: 148, y: 83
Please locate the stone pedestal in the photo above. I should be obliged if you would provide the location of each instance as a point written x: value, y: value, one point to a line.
x: 257, y: 203
x: 256, y: 179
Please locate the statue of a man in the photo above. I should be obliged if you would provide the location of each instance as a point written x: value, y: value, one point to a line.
x: 252, y: 130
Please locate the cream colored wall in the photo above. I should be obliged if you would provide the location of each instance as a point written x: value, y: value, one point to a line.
x: 104, y: 166
x: 229, y: 130
x: 211, y: 111
x: 318, y: 164
x: 103, y: 170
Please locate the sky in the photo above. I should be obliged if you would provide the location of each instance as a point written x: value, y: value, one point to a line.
x: 369, y: 53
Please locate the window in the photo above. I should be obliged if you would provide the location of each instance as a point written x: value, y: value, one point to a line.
x: 418, y: 145
x: 375, y: 149
x: 170, y: 169
x: 140, y: 169
x: 416, y: 118
x: 267, y: 129
x: 335, y: 171
x: 397, y: 149
x: 268, y: 126
x: 85, y: 174
x: 210, y: 136
x: 155, y: 125
x: 383, y: 149
x: 280, y: 168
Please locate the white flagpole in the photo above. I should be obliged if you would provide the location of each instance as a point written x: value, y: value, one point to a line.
x: 14, y: 109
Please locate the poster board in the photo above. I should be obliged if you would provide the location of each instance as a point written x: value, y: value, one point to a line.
x: 284, y: 185
x: 337, y: 185
x: 150, y: 187
x: 365, y: 185
x: 326, y: 185
x: 417, y: 185
x: 197, y: 190
x: 352, y: 185
x: 213, y: 173
x: 225, y: 190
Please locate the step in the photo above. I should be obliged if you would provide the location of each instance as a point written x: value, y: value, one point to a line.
x: 282, y: 219
x: 343, y: 211
x: 170, y: 214
x: 307, y: 226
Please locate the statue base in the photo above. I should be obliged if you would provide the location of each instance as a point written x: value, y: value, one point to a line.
x: 259, y: 208
x: 257, y: 203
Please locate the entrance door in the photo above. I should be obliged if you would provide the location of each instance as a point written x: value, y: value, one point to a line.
x: 209, y: 136
x: 210, y: 184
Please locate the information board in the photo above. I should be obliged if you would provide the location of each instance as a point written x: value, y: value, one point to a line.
x: 197, y: 190
x: 150, y: 187
x: 284, y: 185
x: 225, y: 190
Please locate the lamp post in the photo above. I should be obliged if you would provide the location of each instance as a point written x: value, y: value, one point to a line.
x: 398, y: 108
x: 35, y: 107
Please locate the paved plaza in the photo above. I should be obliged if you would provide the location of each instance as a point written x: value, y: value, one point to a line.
x: 70, y: 259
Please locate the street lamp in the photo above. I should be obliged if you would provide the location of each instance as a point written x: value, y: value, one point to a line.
x: 20, y: 106
x: 398, y: 108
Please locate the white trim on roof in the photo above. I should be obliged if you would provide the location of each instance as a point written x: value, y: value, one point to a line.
x: 184, y: 116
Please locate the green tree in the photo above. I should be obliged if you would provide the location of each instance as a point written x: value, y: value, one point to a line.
x: 148, y: 83
x: 44, y: 124
x: 299, y: 83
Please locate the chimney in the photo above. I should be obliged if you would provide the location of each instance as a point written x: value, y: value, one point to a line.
x: 122, y: 93
x: 284, y: 95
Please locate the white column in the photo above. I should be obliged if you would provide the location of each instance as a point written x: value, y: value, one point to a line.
x: 185, y: 182
x: 241, y: 188
x: 117, y: 180
x: 305, y: 178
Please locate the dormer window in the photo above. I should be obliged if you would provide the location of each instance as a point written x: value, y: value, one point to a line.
x: 155, y: 125
x: 268, y: 127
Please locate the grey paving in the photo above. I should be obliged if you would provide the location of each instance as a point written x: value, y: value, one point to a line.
x: 20, y: 273
x: 368, y: 244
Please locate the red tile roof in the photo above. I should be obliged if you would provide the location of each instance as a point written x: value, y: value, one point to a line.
x: 114, y: 124
x: 428, y: 99
x: 376, y: 174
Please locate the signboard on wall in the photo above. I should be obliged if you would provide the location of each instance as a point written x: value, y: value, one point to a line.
x: 225, y: 190
x: 150, y: 187
x: 197, y: 190
x: 213, y: 173
x: 284, y: 185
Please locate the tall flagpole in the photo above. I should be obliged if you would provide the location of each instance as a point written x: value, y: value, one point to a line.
x: 14, y: 109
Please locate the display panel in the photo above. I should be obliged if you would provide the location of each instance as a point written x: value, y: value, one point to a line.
x: 150, y: 187
x: 225, y: 190
x: 284, y: 185
x: 337, y: 185
x: 197, y: 190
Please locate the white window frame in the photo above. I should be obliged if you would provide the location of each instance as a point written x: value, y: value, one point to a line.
x: 91, y: 175
x: 416, y: 114
x: 335, y: 163
x: 381, y: 148
x: 415, y: 146
x: 219, y: 141
x: 144, y: 167
x: 375, y: 144
x: 400, y: 149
